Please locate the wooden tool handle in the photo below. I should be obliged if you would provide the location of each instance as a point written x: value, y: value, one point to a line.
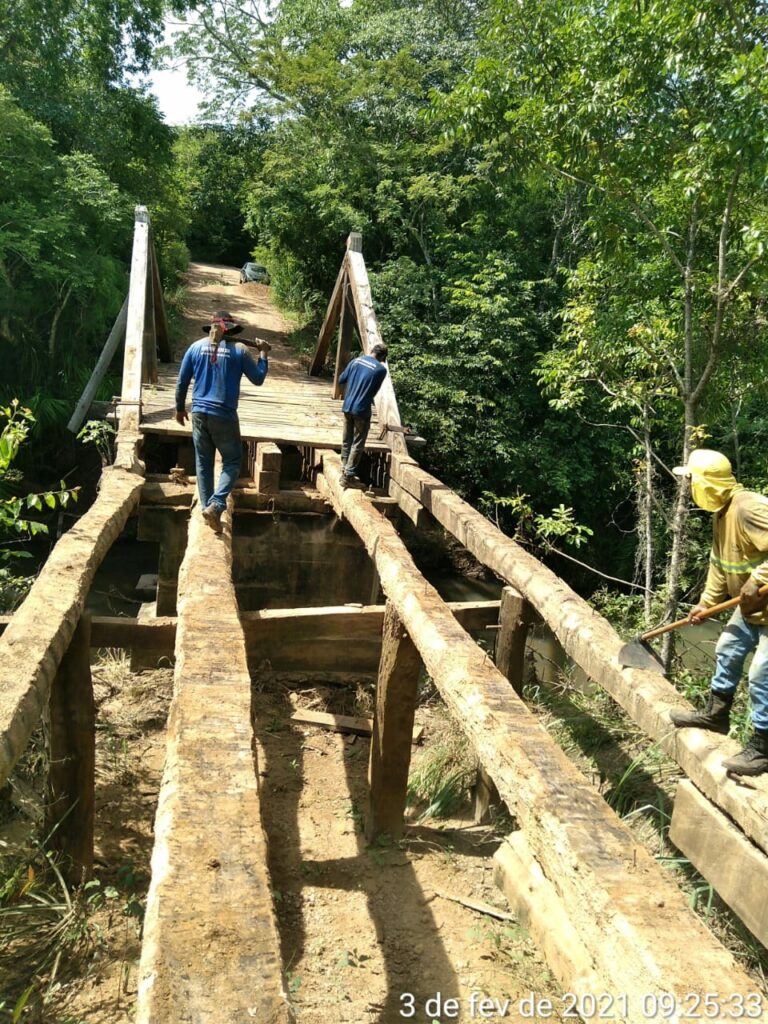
x: 723, y: 606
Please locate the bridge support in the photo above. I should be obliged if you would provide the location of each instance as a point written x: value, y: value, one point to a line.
x: 211, y: 950
x: 392, y: 728
x: 72, y: 751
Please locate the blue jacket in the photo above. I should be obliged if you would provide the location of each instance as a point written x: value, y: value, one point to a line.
x: 361, y: 381
x: 217, y: 385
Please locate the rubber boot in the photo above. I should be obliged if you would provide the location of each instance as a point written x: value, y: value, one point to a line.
x: 753, y: 759
x: 715, y: 716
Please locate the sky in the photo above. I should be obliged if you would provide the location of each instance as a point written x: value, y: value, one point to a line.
x: 178, y: 100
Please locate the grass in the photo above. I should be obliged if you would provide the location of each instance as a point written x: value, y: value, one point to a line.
x: 639, y: 782
x: 442, y: 778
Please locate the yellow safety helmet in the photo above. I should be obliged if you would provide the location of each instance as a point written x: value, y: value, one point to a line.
x: 711, y: 476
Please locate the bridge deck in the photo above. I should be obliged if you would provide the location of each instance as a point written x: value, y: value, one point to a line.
x: 290, y: 406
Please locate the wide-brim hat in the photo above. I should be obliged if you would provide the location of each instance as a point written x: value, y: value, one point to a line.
x: 228, y: 323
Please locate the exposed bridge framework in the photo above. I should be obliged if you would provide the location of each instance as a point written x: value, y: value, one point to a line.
x: 606, y: 915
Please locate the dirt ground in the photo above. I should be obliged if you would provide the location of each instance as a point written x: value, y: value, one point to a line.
x: 367, y: 931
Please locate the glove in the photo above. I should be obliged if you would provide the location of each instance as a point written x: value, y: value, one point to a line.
x: 750, y: 598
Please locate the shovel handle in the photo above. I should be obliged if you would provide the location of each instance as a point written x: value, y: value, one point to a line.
x: 706, y: 614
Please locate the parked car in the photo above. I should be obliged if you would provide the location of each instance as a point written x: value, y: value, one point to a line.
x: 254, y: 272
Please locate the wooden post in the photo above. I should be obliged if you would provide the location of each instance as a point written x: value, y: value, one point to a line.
x: 392, y: 728
x: 70, y: 809
x: 329, y: 323
x: 355, y: 241
x: 515, y: 616
x: 149, y: 361
x: 116, y: 336
x: 345, y: 335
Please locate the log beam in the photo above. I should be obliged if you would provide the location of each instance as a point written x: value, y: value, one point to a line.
x: 72, y: 755
x: 211, y: 950
x: 594, y: 645
x: 390, y: 756
x: 332, y: 314
x: 626, y: 910
x: 34, y: 643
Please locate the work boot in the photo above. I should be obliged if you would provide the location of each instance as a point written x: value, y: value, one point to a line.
x: 753, y: 759
x: 212, y: 516
x: 715, y: 716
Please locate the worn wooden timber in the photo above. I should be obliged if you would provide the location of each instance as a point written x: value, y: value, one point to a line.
x: 735, y: 867
x: 370, y: 335
x: 269, y: 460
x: 625, y: 909
x: 128, y: 435
x: 594, y: 645
x: 161, y: 323
x: 111, y: 345
x: 355, y: 725
x: 346, y: 325
x: 332, y: 314
x: 537, y: 905
x: 211, y: 950
x: 296, y: 499
x: 390, y: 755
x: 337, y: 639
x: 515, y: 617
x: 72, y: 759
x: 34, y: 643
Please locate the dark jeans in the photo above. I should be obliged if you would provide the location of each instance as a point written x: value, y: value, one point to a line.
x: 211, y: 434
x: 353, y: 444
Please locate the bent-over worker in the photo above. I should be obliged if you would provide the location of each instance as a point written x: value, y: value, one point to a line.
x: 360, y: 382
x: 217, y: 363
x: 738, y: 566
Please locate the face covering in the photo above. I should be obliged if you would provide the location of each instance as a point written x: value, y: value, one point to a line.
x: 711, y: 495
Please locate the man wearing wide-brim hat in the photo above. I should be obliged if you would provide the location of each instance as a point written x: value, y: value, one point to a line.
x: 217, y: 364
x: 738, y: 567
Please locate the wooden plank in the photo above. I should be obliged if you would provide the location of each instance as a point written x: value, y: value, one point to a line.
x: 735, y: 867
x: 355, y: 724
x: 301, y: 499
x: 626, y: 910
x: 111, y: 345
x: 515, y: 616
x: 594, y: 645
x: 412, y: 508
x: 200, y: 961
x: 149, y: 358
x: 390, y: 755
x: 332, y: 314
x: 34, y: 643
x: 72, y: 759
x: 370, y: 335
x: 269, y: 458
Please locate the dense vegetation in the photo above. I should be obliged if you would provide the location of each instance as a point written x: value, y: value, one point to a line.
x: 563, y: 210
x: 563, y: 207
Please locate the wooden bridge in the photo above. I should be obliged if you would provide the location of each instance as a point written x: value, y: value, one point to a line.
x: 607, y: 916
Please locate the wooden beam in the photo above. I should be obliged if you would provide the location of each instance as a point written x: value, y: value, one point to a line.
x: 269, y: 460
x: 370, y: 335
x: 136, y: 320
x: 72, y: 755
x: 412, y: 508
x: 626, y: 910
x: 539, y: 907
x: 332, y: 314
x: 158, y: 304
x: 298, y: 499
x: 111, y: 345
x: 346, y: 324
x: 210, y: 918
x: 594, y: 645
x: 149, y: 357
x: 734, y: 866
x: 34, y: 643
x: 515, y: 616
x: 390, y: 756
x: 357, y: 725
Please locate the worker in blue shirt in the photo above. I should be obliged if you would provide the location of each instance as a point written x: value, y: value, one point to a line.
x: 360, y: 382
x: 216, y: 363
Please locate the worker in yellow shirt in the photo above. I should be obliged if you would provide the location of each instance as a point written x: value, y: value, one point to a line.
x: 738, y: 566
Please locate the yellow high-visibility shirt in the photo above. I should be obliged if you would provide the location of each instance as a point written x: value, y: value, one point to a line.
x: 739, y: 550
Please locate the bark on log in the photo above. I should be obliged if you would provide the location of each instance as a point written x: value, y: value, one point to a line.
x: 628, y: 913
x: 594, y: 645
x: 34, y: 643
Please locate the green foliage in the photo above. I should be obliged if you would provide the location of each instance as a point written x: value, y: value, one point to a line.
x: 102, y: 435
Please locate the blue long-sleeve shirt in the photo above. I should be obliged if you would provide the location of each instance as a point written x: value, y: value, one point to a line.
x: 217, y: 385
x: 361, y: 381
